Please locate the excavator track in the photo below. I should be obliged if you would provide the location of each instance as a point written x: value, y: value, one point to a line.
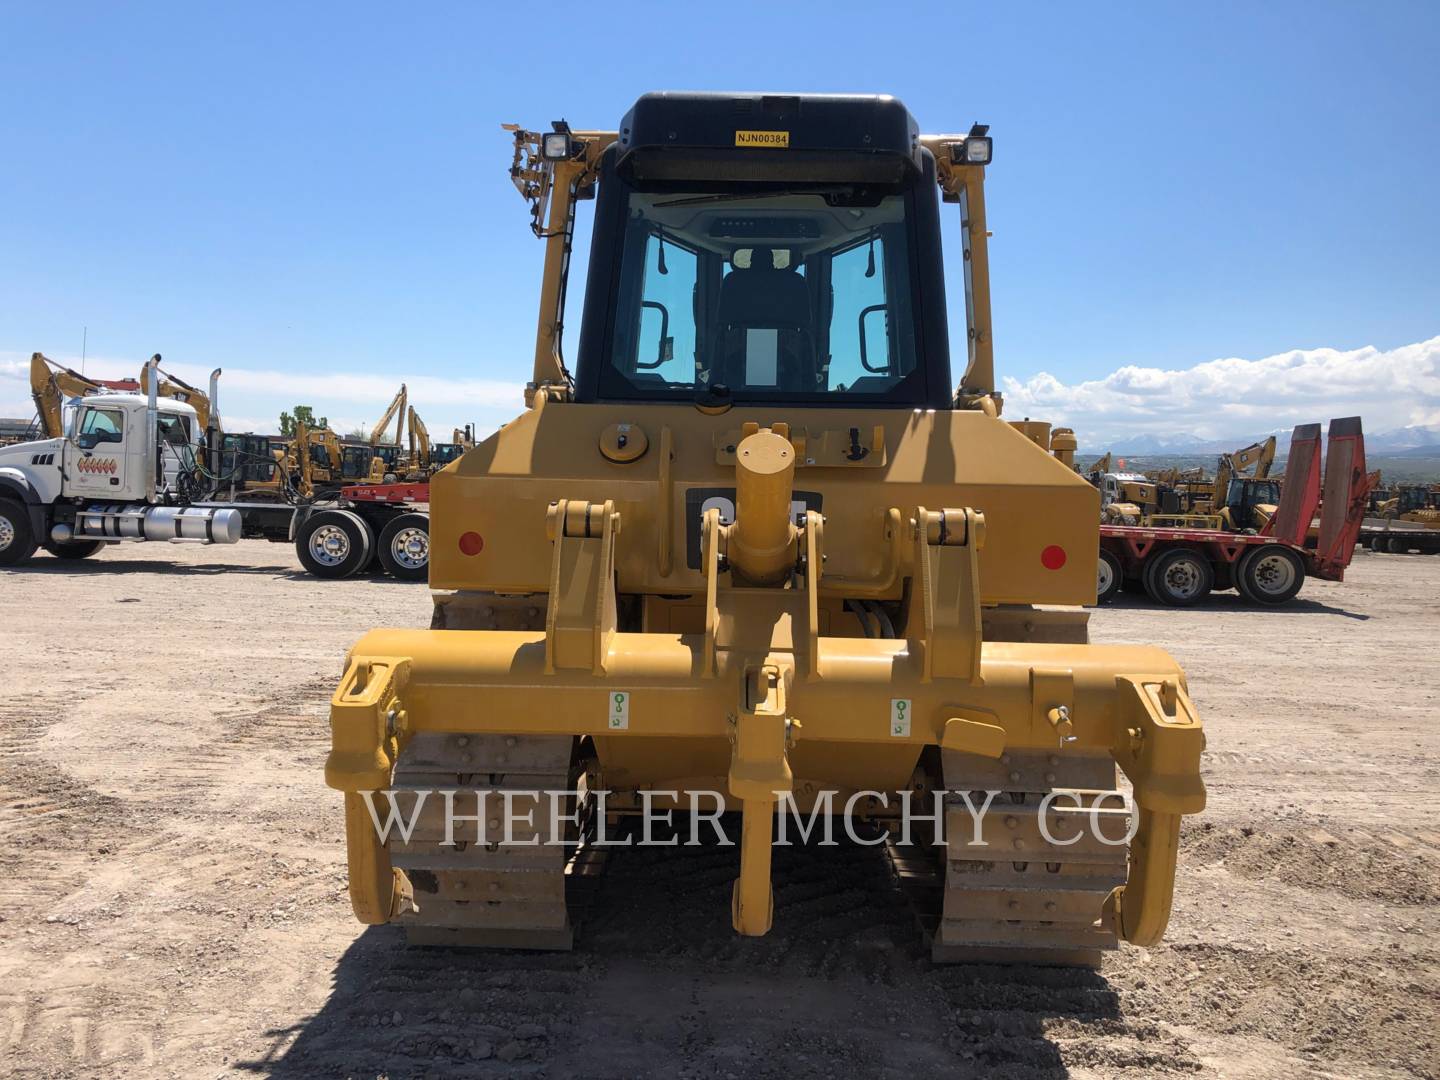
x: 1018, y: 898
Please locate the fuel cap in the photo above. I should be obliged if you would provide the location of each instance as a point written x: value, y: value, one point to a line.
x: 623, y: 443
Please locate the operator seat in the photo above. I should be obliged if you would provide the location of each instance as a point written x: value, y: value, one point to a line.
x: 760, y: 297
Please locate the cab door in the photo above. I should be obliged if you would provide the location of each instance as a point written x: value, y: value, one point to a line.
x: 177, y: 447
x: 1107, y: 491
x: 96, y: 463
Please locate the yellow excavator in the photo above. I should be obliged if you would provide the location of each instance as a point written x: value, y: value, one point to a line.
x: 172, y: 386
x: 1243, y: 497
x: 419, y: 458
x: 757, y: 552
x: 425, y: 456
x: 386, y: 465
x: 50, y: 385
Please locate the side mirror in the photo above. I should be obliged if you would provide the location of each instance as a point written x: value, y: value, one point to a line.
x: 666, y: 351
x: 87, y: 441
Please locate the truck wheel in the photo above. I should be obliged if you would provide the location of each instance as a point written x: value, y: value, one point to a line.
x: 17, y: 542
x: 333, y: 544
x: 1179, y: 578
x: 1109, y: 576
x: 405, y: 547
x: 74, y: 549
x: 1271, y: 574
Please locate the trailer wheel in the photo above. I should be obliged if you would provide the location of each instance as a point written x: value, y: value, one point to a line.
x: 74, y: 549
x: 1378, y: 544
x: 1179, y: 578
x: 1109, y: 576
x: 405, y: 547
x: 17, y: 542
x: 1271, y: 574
x: 333, y: 544
x: 1398, y: 546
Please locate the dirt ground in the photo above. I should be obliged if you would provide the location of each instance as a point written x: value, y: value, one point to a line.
x: 172, y: 891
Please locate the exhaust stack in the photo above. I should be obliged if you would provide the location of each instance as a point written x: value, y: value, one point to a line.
x: 152, y: 425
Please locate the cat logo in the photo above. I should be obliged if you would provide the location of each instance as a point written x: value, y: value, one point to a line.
x: 106, y: 466
x: 773, y: 140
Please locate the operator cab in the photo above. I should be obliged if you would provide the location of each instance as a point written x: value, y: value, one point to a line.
x: 786, y: 249
x: 1245, y: 494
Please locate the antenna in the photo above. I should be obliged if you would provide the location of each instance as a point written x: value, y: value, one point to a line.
x: 84, y: 342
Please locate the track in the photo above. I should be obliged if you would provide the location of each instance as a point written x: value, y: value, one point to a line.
x: 507, y: 891
x: 1006, y: 893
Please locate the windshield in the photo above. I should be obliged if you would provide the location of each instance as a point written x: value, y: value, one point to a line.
x: 802, y: 294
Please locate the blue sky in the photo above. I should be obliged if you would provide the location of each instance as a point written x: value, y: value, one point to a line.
x: 316, y: 195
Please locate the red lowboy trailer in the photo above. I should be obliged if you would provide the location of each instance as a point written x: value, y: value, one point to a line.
x: 1181, y: 566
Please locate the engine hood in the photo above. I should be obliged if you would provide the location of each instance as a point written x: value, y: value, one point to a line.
x: 21, y: 453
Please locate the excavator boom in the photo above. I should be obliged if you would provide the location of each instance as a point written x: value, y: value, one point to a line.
x: 176, y: 388
x: 394, y: 411
x: 419, y: 442
x: 50, y: 385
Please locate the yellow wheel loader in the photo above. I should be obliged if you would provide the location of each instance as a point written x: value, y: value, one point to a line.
x: 758, y: 553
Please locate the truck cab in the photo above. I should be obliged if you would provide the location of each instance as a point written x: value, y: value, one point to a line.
x: 1132, y: 495
x: 106, y: 453
x: 124, y: 469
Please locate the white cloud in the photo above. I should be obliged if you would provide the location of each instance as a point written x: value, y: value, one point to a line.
x: 1234, y: 397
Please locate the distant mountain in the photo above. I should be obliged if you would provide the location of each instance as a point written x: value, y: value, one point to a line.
x: 1431, y: 451
x: 1155, y: 444
x: 1417, y: 440
x: 1179, y: 444
x: 1424, y: 437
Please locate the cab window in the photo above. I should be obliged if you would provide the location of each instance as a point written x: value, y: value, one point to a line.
x: 102, y: 426
x: 174, y: 430
x: 801, y: 294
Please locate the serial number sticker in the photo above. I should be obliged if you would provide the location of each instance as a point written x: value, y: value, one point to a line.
x: 619, y: 719
x: 777, y: 140
x: 900, y: 717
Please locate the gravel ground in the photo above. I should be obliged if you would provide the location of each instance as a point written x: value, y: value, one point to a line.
x: 172, y: 891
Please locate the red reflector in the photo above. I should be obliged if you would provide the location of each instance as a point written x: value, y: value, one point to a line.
x: 1053, y: 557
x: 471, y: 543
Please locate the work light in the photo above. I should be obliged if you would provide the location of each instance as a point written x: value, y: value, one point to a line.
x: 555, y: 146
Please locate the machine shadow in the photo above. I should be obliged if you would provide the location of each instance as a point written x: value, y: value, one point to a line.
x: 50, y: 566
x: 1234, y: 603
x: 659, y: 984
x: 125, y: 566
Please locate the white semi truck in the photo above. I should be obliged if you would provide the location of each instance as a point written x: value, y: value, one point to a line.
x: 125, y: 470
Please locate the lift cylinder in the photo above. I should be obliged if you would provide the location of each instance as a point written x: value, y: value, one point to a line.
x: 761, y: 543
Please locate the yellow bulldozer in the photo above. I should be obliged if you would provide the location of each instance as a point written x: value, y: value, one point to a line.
x: 757, y: 553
